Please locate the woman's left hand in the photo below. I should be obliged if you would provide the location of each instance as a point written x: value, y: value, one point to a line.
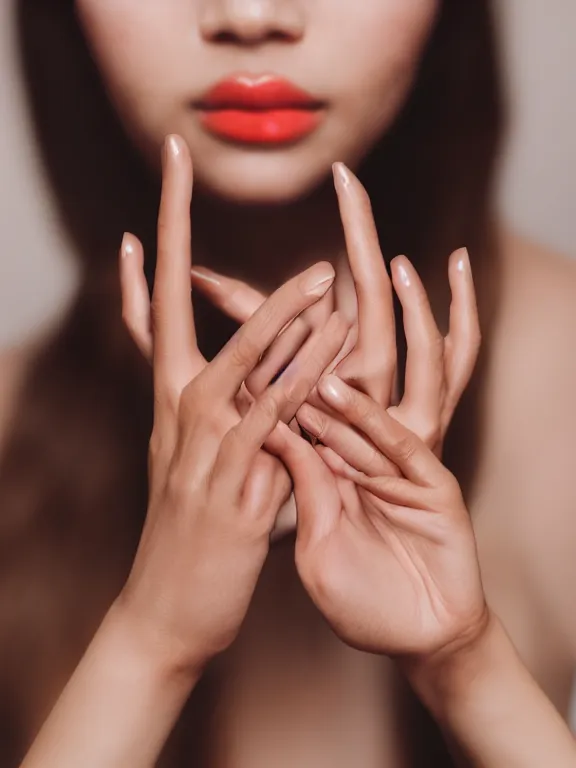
x: 389, y: 560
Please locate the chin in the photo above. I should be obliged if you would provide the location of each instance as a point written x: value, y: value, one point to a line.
x: 258, y: 177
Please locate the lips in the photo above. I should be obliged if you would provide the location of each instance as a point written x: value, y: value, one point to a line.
x: 262, y: 110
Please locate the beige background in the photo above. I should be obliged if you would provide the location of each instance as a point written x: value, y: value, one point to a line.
x: 538, y: 189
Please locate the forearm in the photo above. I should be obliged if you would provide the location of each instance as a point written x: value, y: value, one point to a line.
x: 486, y: 700
x: 118, y: 708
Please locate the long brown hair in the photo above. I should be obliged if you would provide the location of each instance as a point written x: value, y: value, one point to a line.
x: 73, y: 484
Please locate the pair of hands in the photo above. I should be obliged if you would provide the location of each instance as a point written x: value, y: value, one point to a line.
x: 384, y: 546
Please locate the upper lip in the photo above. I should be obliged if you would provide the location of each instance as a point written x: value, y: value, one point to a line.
x: 257, y: 93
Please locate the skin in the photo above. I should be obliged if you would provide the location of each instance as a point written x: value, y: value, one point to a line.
x: 523, y: 577
x: 389, y: 559
x: 172, y: 48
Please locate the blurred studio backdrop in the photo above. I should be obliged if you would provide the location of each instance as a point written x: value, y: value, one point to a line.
x: 538, y: 180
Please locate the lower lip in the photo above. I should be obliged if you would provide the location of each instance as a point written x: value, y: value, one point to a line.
x: 273, y: 126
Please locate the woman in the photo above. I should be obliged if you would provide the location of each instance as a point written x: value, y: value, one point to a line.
x: 428, y: 155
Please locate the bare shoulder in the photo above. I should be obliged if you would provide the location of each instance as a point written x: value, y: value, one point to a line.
x: 532, y: 380
x: 532, y: 419
x: 539, y: 283
x: 535, y: 339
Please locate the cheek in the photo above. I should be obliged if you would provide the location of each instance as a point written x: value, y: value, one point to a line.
x: 136, y: 45
x: 384, y: 36
x: 379, y: 52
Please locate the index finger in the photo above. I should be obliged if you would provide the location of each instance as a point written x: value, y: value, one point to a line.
x: 175, y: 350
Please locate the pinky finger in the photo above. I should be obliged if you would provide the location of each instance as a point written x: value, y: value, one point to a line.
x: 135, y: 294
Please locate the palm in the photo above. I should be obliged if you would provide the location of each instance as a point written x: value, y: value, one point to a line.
x: 395, y: 581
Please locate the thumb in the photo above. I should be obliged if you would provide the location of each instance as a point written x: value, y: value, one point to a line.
x: 318, y: 501
x: 235, y: 298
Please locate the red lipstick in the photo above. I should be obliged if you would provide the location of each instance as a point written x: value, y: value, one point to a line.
x: 259, y: 110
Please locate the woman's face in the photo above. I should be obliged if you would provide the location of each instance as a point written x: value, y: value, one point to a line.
x: 267, y: 93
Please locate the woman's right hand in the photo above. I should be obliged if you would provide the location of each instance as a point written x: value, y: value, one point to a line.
x: 214, y: 494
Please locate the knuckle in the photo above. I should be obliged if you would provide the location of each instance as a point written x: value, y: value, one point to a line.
x: 246, y: 351
x: 404, y: 448
x: 296, y: 392
x: 363, y: 408
x: 268, y: 407
x: 374, y: 463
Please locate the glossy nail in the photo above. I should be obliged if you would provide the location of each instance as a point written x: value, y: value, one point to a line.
x: 403, y: 275
x: 206, y: 277
x: 342, y: 175
x: 172, y: 147
x: 319, y: 281
x: 332, y: 389
x: 127, y: 246
x: 463, y: 262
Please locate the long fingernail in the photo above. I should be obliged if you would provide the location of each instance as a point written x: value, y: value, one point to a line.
x: 403, y: 274
x: 319, y: 281
x: 463, y: 262
x: 332, y: 388
x: 172, y: 147
x: 341, y: 174
x: 205, y: 277
x: 127, y: 246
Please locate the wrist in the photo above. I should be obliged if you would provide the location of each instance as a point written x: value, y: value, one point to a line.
x: 446, y: 680
x: 163, y: 657
x: 490, y: 707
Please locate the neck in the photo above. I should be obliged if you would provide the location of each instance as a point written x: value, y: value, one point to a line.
x: 266, y: 245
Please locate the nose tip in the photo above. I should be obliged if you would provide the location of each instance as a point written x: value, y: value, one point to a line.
x: 251, y: 21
